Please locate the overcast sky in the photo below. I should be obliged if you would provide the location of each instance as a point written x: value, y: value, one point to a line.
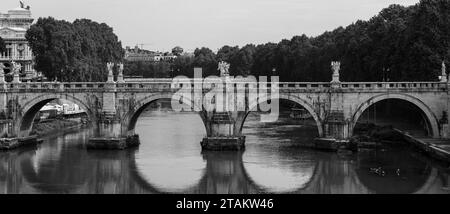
x: 164, y: 24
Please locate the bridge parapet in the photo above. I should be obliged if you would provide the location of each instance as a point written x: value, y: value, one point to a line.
x: 158, y: 86
x: 165, y: 85
x: 55, y: 86
x: 393, y: 85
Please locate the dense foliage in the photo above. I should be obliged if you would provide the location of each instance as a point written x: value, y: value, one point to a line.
x: 2, y: 45
x: 399, y: 44
x: 177, y: 51
x: 75, y: 51
x: 148, y: 69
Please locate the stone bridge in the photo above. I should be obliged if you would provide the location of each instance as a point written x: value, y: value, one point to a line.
x: 114, y: 107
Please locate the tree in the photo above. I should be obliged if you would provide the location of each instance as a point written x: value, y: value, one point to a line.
x: 2, y: 45
x: 183, y: 66
x: 177, y: 51
x: 243, y: 61
x: 227, y: 53
x: 264, y: 60
x: 75, y: 51
x: 206, y: 59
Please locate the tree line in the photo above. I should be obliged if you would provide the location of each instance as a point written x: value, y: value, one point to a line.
x: 73, y: 51
x: 399, y: 44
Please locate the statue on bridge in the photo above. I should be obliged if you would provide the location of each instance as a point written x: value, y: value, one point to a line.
x: 224, y: 69
x: 443, y: 76
x: 120, y: 75
x: 120, y: 68
x: 335, y: 66
x: 110, y: 66
x: 16, y: 67
x: 2, y: 73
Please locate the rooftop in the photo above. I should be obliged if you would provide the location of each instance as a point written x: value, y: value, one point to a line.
x: 18, y: 13
x: 14, y: 28
x: 19, y: 9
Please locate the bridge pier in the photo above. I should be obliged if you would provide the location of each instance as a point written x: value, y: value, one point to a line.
x: 223, y: 143
x: 15, y: 142
x: 337, y: 126
x: 108, y: 131
x: 223, y: 134
x: 107, y: 135
x: 336, y: 134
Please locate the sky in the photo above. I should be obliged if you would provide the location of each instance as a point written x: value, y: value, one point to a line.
x: 164, y: 24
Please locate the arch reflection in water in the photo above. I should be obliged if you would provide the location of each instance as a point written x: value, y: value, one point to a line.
x: 62, y: 165
x: 59, y: 165
x: 272, y: 157
x: 174, y: 163
x: 169, y: 154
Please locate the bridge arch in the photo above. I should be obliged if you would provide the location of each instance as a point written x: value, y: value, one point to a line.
x: 29, y: 110
x: 254, y: 104
x: 430, y: 116
x: 129, y: 123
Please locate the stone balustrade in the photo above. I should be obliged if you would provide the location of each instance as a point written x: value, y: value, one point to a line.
x: 168, y: 85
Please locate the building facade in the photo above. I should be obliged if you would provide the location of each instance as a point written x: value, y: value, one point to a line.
x: 13, y: 27
x: 141, y: 55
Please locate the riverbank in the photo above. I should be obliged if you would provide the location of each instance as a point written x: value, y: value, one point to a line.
x: 436, y: 148
x: 40, y: 129
x: 54, y: 126
x: 372, y: 136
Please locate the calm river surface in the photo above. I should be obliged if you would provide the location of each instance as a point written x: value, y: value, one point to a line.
x: 170, y: 160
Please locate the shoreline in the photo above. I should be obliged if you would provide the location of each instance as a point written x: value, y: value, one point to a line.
x: 55, y: 126
x: 381, y: 136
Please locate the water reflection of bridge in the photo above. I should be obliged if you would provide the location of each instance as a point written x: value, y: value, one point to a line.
x: 26, y: 171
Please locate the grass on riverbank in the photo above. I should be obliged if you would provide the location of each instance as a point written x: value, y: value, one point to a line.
x: 52, y: 126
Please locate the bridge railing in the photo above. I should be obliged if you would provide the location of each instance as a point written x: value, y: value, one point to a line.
x: 393, y: 85
x: 56, y: 85
x: 302, y: 85
x: 155, y: 85
x: 165, y: 85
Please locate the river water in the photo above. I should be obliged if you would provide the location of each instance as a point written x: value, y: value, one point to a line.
x: 170, y: 160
